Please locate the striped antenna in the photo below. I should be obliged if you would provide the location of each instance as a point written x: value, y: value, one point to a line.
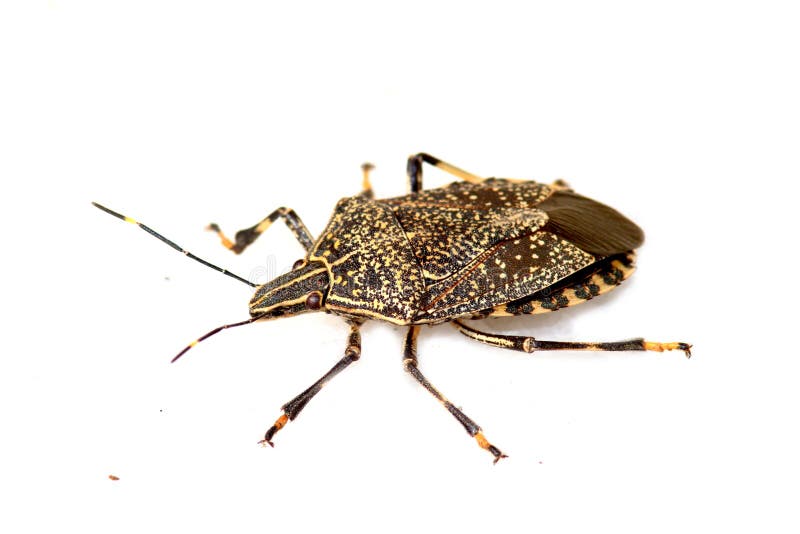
x: 216, y: 331
x: 172, y: 244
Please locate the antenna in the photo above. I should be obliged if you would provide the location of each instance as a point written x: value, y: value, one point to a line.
x: 172, y: 244
x: 216, y: 331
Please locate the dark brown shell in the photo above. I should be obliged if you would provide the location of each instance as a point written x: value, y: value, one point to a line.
x: 450, y: 252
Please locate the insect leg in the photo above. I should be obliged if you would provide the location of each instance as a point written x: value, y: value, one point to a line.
x: 410, y: 365
x: 294, y: 406
x: 245, y: 238
x: 414, y: 171
x: 529, y: 344
x: 366, y: 185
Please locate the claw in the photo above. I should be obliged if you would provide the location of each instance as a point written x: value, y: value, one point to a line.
x: 280, y: 423
x: 483, y: 443
x: 497, y: 458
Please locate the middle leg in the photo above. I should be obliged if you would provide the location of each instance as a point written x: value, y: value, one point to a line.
x: 410, y: 365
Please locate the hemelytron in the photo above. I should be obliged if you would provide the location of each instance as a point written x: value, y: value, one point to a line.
x: 473, y: 249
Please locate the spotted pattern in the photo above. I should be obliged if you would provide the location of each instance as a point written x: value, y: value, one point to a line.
x: 445, y: 240
x: 597, y: 279
x: 510, y: 270
x: 461, y: 251
x: 373, y: 270
x: 449, y: 227
x: 490, y: 193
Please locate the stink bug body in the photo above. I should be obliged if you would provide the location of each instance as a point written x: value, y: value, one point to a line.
x: 473, y: 249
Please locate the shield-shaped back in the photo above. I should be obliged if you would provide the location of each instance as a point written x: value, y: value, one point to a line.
x: 373, y: 269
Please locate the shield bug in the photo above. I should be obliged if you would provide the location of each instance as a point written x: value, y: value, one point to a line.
x: 473, y: 249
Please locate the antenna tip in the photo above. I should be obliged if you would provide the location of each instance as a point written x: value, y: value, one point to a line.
x: 114, y: 213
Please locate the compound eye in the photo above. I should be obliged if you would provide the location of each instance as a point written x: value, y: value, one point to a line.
x: 299, y: 263
x: 314, y: 300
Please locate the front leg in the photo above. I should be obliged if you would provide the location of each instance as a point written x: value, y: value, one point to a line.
x: 292, y: 408
x: 244, y: 238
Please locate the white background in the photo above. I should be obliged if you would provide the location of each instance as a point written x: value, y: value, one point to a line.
x: 682, y: 115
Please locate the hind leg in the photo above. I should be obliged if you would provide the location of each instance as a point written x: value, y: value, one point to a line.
x: 414, y: 171
x: 530, y: 344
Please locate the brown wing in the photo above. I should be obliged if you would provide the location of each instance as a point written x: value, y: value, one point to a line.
x: 509, y: 270
x: 592, y: 226
x: 492, y: 192
x: 448, y: 228
x: 513, y: 262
